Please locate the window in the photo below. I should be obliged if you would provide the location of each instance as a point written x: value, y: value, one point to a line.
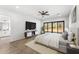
x: 45, y: 27
x: 57, y: 26
x: 60, y: 27
x: 49, y: 27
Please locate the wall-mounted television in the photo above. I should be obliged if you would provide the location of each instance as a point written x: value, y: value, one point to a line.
x: 30, y: 25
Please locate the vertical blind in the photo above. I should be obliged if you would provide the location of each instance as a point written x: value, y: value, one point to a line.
x: 57, y: 26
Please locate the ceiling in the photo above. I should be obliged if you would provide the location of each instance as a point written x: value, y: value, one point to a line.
x: 32, y: 10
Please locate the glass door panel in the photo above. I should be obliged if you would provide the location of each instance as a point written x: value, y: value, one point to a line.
x: 45, y: 27
x: 49, y: 27
x: 55, y: 27
x: 60, y: 27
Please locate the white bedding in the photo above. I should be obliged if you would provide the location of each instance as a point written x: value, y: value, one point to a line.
x: 49, y: 39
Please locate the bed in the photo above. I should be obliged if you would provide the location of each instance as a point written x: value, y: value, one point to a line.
x: 49, y: 39
x: 52, y: 40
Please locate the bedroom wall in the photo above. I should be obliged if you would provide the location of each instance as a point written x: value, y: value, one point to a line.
x: 74, y: 27
x: 17, y: 25
x: 71, y: 17
x: 77, y: 24
x: 77, y: 11
x: 66, y: 19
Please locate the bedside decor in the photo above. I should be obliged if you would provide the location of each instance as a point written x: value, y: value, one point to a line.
x: 74, y: 38
x: 65, y: 35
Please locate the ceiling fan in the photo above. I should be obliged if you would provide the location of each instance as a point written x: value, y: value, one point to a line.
x: 43, y: 13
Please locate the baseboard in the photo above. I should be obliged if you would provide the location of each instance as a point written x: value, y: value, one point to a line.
x: 15, y: 39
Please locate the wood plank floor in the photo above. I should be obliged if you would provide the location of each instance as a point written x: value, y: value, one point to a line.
x: 17, y: 47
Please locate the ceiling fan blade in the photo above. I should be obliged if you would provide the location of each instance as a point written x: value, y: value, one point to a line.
x: 42, y: 11
x: 39, y: 11
x: 46, y: 12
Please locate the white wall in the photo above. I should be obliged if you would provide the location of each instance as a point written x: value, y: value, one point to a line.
x: 74, y: 27
x: 65, y: 19
x: 77, y: 14
x: 77, y: 24
x: 18, y: 24
x: 71, y: 17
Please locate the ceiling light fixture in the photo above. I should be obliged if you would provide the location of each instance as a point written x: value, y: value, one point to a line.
x: 43, y: 13
x: 17, y: 7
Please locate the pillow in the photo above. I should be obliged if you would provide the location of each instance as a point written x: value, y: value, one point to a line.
x: 65, y: 35
x: 70, y: 36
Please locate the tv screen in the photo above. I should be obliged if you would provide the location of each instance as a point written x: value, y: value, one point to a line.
x: 30, y: 25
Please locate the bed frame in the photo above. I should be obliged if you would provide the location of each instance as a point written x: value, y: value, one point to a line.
x: 62, y: 49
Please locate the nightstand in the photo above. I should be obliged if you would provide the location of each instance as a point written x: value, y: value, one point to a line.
x: 72, y: 49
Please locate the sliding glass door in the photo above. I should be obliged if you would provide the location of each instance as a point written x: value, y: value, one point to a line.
x: 49, y: 27
x: 57, y: 26
x: 60, y: 26
x: 45, y: 27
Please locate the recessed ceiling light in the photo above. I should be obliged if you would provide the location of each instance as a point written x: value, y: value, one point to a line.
x: 17, y: 6
x: 58, y: 14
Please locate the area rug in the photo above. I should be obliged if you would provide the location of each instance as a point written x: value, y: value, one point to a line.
x: 40, y: 48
